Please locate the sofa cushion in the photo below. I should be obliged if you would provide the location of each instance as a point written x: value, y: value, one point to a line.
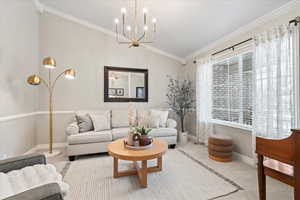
x: 101, y: 120
x: 118, y: 133
x: 163, y: 132
x: 84, y: 122
x: 161, y: 115
x: 90, y: 137
x: 120, y: 118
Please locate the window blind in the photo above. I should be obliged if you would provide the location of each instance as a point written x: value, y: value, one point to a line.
x: 232, y: 89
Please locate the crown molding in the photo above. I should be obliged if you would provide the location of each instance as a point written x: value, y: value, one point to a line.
x: 101, y: 29
x: 38, y: 6
x: 257, y: 22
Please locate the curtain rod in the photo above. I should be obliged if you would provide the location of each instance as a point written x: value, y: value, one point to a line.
x: 295, y: 21
x: 232, y: 47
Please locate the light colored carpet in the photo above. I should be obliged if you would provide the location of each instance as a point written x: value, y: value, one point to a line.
x: 183, y: 177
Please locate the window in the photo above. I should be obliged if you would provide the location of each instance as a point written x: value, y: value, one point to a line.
x: 232, y: 90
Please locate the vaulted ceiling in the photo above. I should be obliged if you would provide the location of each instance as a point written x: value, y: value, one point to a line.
x: 184, y: 25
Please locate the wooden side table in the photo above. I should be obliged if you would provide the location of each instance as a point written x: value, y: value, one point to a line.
x: 220, y: 148
x: 117, y: 150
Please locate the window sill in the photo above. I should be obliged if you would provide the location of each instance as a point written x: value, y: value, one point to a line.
x: 232, y: 124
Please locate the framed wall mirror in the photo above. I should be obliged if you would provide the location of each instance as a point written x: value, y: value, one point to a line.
x: 125, y: 84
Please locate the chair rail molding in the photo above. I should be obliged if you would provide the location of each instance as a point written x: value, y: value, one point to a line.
x: 30, y: 114
x: 16, y: 116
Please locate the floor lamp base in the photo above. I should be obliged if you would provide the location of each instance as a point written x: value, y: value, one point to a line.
x: 54, y: 153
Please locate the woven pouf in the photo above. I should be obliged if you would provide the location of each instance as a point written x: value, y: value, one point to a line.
x: 220, y: 148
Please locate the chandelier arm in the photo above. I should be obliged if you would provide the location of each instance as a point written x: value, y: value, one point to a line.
x: 117, y: 33
x: 124, y: 42
x: 146, y: 42
x: 142, y: 37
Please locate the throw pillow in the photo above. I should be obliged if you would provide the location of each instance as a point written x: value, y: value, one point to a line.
x: 153, y: 122
x: 84, y: 122
x: 101, y: 120
x: 161, y: 115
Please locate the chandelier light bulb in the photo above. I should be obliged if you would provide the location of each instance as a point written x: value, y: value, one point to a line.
x: 116, y: 21
x: 123, y: 10
x: 154, y: 20
x: 128, y: 28
x: 146, y: 28
x: 145, y: 10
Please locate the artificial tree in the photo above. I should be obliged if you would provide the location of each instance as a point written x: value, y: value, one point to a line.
x: 181, y: 98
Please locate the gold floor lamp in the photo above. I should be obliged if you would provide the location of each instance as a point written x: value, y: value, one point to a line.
x: 50, y: 64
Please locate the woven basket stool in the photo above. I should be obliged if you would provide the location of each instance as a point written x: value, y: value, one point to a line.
x: 220, y: 148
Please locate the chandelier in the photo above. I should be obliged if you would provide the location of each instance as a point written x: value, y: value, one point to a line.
x: 132, y: 32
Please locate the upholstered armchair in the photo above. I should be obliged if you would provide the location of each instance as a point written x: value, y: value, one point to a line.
x: 50, y: 191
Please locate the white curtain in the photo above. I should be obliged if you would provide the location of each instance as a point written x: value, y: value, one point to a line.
x: 204, y: 100
x: 274, y: 103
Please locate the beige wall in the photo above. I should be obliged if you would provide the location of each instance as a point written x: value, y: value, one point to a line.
x: 242, y: 138
x: 18, y: 59
x: 88, y: 51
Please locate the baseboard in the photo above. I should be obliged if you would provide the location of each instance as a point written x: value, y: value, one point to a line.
x: 45, y: 147
x: 245, y: 159
x: 236, y: 155
x: 32, y: 150
x: 55, y: 146
x: 192, y: 138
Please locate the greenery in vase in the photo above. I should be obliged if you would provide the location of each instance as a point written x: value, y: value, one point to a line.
x: 180, y: 98
x: 142, y: 130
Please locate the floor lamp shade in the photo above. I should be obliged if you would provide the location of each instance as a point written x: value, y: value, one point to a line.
x: 49, y: 63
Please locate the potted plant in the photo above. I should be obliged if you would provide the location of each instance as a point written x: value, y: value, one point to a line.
x: 180, y: 98
x: 145, y: 139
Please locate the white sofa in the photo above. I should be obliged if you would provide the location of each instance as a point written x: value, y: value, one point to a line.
x: 96, y: 141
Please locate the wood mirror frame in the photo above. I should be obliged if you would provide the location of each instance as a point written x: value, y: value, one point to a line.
x: 107, y: 69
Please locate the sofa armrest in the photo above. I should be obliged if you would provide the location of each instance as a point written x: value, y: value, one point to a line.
x: 72, y: 129
x: 171, y: 123
x: 20, y: 162
x: 49, y: 191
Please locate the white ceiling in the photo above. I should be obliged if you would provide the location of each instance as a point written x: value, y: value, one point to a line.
x: 185, y: 26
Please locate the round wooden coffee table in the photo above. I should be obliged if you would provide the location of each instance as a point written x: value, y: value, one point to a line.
x: 118, y: 151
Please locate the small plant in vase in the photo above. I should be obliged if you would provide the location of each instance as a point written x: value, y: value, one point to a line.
x: 145, y: 139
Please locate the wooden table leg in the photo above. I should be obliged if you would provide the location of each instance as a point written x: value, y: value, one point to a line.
x: 142, y: 171
x: 116, y: 167
x: 143, y: 177
x: 159, y: 163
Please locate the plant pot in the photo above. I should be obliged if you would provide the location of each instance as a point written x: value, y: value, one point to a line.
x: 183, y: 138
x: 145, y: 140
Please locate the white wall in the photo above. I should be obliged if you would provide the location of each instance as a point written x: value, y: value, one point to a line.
x: 18, y: 59
x: 88, y: 51
x: 242, y: 138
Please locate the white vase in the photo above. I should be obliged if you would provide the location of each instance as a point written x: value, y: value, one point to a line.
x: 130, y: 138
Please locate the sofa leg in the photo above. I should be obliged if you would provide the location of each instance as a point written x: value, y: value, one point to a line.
x: 172, y: 146
x: 71, y: 158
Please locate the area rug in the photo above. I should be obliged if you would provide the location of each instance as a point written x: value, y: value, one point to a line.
x: 183, y: 177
